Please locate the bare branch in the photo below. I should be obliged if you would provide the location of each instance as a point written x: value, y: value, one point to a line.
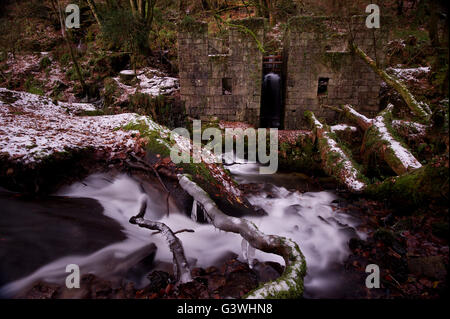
x: 181, y: 267
x: 290, y: 284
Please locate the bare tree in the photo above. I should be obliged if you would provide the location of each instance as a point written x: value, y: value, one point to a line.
x: 66, y: 34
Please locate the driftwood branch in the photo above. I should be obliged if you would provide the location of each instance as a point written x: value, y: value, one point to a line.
x: 290, y: 284
x: 181, y: 267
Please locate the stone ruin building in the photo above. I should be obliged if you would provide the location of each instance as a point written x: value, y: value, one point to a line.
x: 221, y: 76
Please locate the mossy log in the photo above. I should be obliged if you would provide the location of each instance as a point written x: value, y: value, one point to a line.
x: 290, y: 284
x: 335, y: 161
x: 379, y: 139
x: 409, y: 99
x: 210, y: 175
x: 416, y: 188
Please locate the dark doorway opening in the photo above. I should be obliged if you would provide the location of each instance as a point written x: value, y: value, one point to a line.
x: 322, y: 87
x: 227, y: 86
x: 272, y: 93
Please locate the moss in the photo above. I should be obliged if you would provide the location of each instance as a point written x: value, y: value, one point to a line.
x: 335, y: 60
x: 416, y: 188
x: 296, y: 289
x: 308, y: 23
x: 64, y: 59
x: 34, y: 86
x: 191, y: 25
x: 45, y: 63
x: 254, y: 24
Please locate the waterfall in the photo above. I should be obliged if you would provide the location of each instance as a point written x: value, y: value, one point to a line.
x: 271, y: 101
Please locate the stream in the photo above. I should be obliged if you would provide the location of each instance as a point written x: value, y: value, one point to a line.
x: 86, y: 224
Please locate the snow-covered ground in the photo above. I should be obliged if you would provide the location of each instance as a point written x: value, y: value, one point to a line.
x: 151, y: 82
x: 33, y: 127
x: 409, y: 74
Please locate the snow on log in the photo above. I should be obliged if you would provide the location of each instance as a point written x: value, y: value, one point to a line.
x: 412, y: 103
x: 290, y: 284
x: 356, y: 117
x: 378, y: 138
x: 342, y: 128
x: 409, y: 130
x: 182, y: 270
x: 334, y: 160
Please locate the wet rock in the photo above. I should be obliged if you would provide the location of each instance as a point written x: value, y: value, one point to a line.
x: 240, y: 279
x: 266, y: 272
x: 127, y: 77
x: 238, y: 284
x: 293, y: 210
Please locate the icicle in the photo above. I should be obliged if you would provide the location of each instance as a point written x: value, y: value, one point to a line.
x: 248, y: 252
x: 194, y: 211
x: 250, y: 255
x: 244, y: 247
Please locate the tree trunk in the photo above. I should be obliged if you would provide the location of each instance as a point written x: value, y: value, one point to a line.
x: 94, y: 11
x: 433, y: 24
x: 66, y: 36
x: 378, y: 139
x: 412, y: 103
x: 334, y: 160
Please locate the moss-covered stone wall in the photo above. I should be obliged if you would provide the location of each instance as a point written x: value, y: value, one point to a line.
x: 317, y: 47
x: 233, y: 56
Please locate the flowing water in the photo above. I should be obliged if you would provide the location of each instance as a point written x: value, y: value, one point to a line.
x: 312, y: 219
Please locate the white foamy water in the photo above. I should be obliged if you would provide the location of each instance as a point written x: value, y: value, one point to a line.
x: 309, y: 219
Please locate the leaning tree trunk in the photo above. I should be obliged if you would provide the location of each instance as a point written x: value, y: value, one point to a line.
x: 412, y: 103
x: 379, y: 139
x: 334, y: 160
x: 290, y: 284
x: 94, y: 11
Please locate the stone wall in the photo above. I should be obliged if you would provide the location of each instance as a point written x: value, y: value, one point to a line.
x: 317, y: 47
x: 221, y: 76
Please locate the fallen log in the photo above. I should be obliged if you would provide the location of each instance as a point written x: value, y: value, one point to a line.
x: 410, y: 130
x: 334, y: 160
x: 409, y: 99
x: 415, y: 189
x: 290, y: 284
x: 182, y: 270
x: 379, y: 139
